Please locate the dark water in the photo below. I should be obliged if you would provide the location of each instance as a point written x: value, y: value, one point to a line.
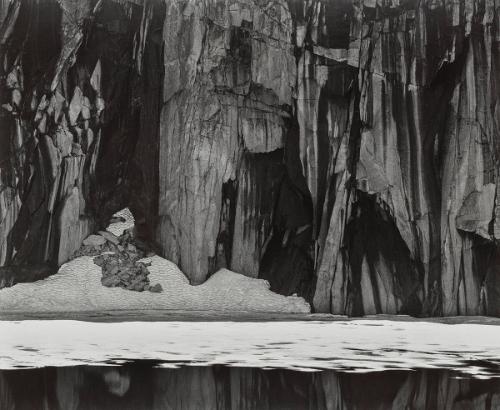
x: 142, y: 385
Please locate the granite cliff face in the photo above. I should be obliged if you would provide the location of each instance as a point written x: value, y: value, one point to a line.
x: 347, y: 151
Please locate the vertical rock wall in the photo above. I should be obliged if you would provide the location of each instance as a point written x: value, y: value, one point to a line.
x: 344, y: 150
x: 50, y: 133
x: 72, y: 92
x: 229, y: 76
x: 426, y: 153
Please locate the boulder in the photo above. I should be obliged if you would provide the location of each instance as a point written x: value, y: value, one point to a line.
x: 121, y: 269
x: 94, y: 240
x: 156, y: 288
x: 110, y: 237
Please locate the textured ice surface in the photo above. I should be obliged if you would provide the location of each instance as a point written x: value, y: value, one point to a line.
x: 359, y: 345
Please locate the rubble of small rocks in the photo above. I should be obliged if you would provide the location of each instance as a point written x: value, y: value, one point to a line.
x: 118, y: 258
x: 118, y: 270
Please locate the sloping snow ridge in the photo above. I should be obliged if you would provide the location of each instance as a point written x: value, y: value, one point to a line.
x: 77, y: 287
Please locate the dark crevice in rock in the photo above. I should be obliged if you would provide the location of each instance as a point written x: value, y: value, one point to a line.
x: 287, y: 262
x: 36, y: 42
x: 143, y: 172
x: 259, y: 180
x: 335, y: 22
x: 287, y: 265
x: 487, y: 260
x: 324, y: 155
x: 375, y: 249
x: 111, y: 42
x: 224, y: 247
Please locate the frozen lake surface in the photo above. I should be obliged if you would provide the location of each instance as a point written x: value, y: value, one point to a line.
x: 343, y: 345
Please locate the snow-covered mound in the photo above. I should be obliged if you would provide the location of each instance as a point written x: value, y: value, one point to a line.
x: 77, y: 287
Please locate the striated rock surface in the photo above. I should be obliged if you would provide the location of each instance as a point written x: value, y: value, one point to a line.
x: 347, y: 151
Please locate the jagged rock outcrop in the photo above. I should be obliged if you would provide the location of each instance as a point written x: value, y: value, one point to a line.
x: 347, y: 151
x: 70, y: 123
x: 426, y: 163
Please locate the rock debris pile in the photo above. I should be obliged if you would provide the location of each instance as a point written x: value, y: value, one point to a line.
x: 118, y: 269
x: 118, y: 258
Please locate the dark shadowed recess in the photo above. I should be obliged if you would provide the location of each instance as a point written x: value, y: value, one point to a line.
x: 125, y: 148
x: 287, y: 262
x: 371, y: 234
x: 36, y: 40
x: 141, y: 386
x: 127, y: 167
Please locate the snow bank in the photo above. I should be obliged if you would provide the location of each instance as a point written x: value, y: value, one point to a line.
x: 77, y: 287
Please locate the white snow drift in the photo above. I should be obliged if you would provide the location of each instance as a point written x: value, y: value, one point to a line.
x: 77, y: 287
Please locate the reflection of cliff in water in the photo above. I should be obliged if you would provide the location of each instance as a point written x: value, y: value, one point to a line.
x: 140, y: 386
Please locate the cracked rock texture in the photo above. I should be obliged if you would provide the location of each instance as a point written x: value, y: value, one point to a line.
x: 346, y: 150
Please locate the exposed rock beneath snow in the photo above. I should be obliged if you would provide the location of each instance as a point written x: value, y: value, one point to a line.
x: 118, y: 256
x: 110, y: 237
x: 119, y: 270
x: 94, y: 240
x: 156, y: 288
